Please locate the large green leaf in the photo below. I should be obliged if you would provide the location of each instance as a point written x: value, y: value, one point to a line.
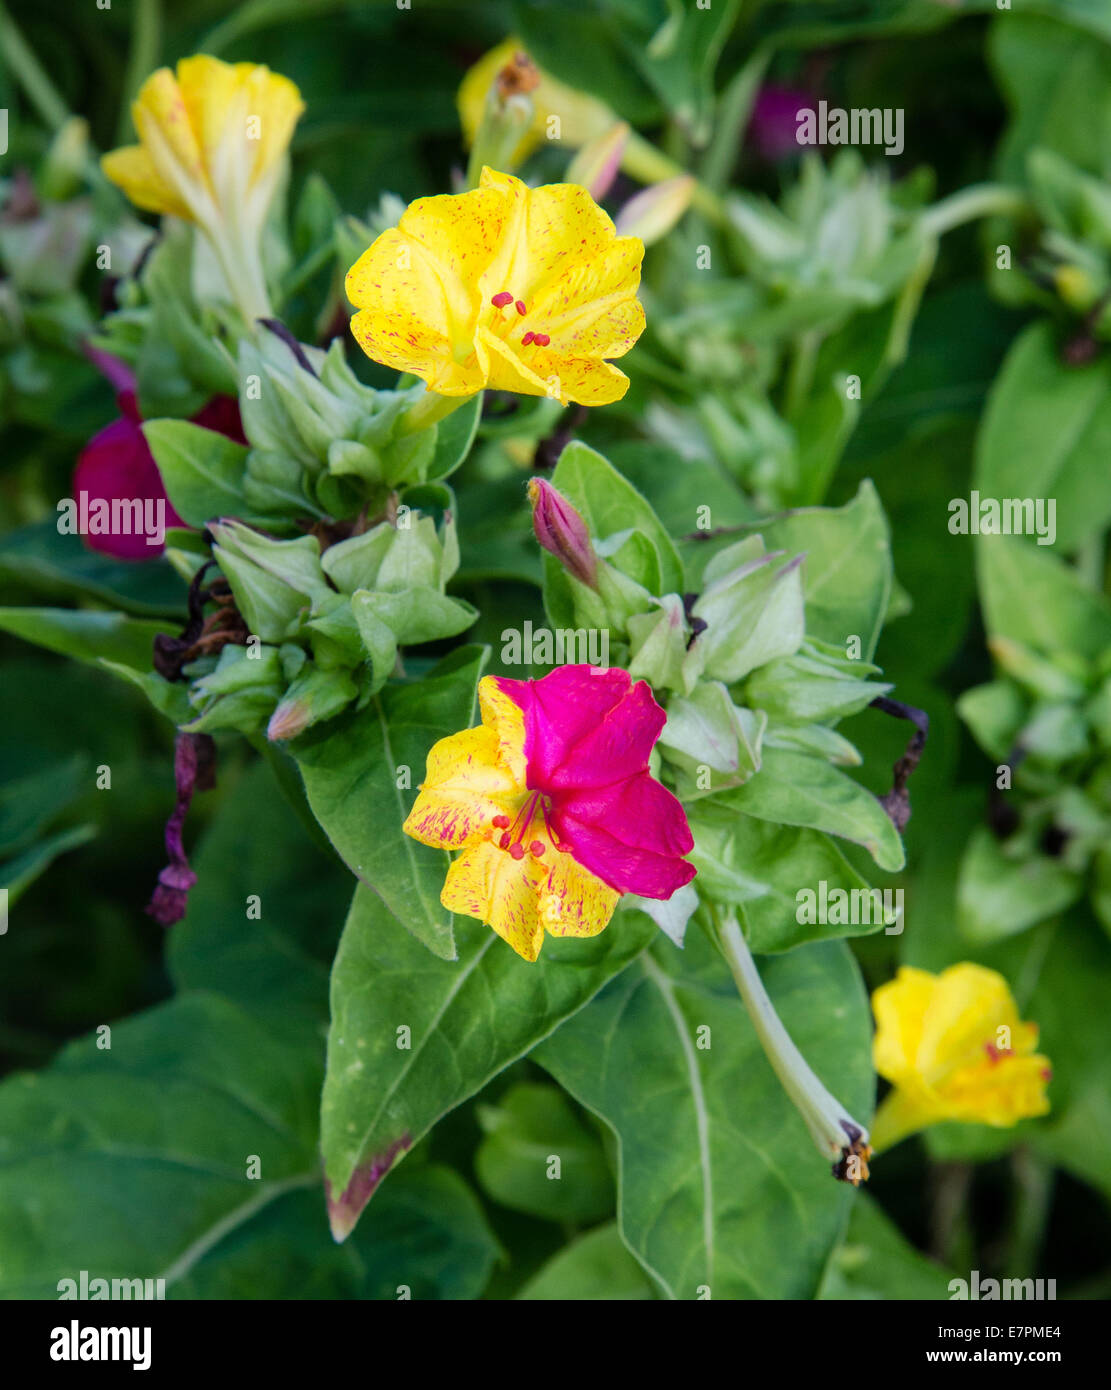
x: 529, y: 1127
x: 85, y: 635
x: 132, y: 1162
x: 1047, y: 434
x: 595, y: 1266
x: 796, y: 789
x: 352, y: 767
x: 876, y: 1261
x: 1032, y: 596
x: 63, y: 566
x: 721, y: 1186
x: 203, y: 471
x: 413, y: 1036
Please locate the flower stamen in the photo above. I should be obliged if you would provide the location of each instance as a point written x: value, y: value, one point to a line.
x: 499, y: 301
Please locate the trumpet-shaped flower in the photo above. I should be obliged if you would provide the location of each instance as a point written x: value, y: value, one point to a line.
x: 954, y: 1048
x: 212, y: 139
x: 551, y: 801
x: 520, y: 289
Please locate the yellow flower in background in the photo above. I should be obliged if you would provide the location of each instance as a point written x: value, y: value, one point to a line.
x: 212, y: 140
x: 516, y: 288
x: 954, y: 1048
x: 581, y: 117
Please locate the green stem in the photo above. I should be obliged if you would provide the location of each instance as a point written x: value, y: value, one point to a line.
x: 981, y: 200
x: 834, y: 1131
x: 800, y: 376
x: 1031, y: 1198
x: 734, y: 109
x: 19, y: 58
x: 146, y: 44
x: 430, y: 409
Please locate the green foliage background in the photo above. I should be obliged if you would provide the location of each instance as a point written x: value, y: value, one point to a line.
x: 138, y: 1169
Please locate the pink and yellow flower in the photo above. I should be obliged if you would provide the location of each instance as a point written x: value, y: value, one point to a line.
x: 551, y: 801
x: 520, y: 289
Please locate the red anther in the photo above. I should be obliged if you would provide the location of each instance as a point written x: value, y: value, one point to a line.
x: 504, y: 841
x: 536, y: 848
x: 502, y: 822
x: 1047, y: 1075
x: 541, y: 339
x: 528, y: 338
x: 499, y: 301
x: 521, y: 307
x: 517, y: 851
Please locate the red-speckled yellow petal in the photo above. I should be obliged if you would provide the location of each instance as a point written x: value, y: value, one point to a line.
x: 506, y: 719
x: 132, y: 169
x: 501, y: 891
x: 573, y: 902
x: 466, y: 785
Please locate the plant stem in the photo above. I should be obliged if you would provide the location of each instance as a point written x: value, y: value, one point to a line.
x: 146, y: 43
x: 430, y: 409
x: 20, y: 59
x: 834, y: 1131
x: 981, y: 200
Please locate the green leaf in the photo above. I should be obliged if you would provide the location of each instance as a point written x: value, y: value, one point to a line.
x: 426, y: 1237
x: 847, y: 574
x: 998, y: 896
x: 204, y: 472
x: 1047, y: 434
x: 85, y: 635
x: 17, y: 875
x: 720, y: 1184
x: 454, y: 437
x: 149, y: 1141
x: 594, y: 1267
x: 876, y: 1261
x: 795, y: 789
x: 1033, y: 597
x: 530, y: 1126
x: 352, y: 770
x: 761, y: 868
x: 467, y: 1020
x: 62, y: 566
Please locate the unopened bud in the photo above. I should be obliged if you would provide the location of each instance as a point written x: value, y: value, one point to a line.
x: 562, y: 532
x: 596, y: 164
x: 651, y: 214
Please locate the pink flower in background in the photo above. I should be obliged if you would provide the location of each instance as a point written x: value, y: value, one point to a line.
x: 117, y: 463
x: 773, y: 126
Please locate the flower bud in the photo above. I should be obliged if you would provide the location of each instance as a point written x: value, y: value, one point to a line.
x: 651, y: 214
x: 596, y: 164
x: 562, y: 532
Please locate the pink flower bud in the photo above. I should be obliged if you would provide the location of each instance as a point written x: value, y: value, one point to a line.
x: 562, y: 532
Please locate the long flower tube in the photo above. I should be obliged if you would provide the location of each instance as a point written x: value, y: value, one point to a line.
x: 837, y: 1135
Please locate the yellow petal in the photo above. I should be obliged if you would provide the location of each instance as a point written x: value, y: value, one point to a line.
x: 166, y: 133
x: 131, y: 169
x: 969, y: 1005
x: 588, y: 382
x: 465, y: 787
x: 489, y: 884
x: 278, y: 104
x: 573, y: 902
x: 900, y: 1009
x: 506, y: 719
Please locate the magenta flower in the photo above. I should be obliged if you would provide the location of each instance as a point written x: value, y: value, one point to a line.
x: 773, y: 126
x: 118, y: 464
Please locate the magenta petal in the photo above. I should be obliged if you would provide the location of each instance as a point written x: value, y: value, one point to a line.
x: 622, y: 866
x: 222, y: 415
x: 584, y: 727
x: 117, y: 463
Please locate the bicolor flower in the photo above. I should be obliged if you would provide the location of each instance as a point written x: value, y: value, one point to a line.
x: 520, y: 289
x: 551, y: 801
x: 212, y: 141
x: 954, y: 1048
x: 117, y: 462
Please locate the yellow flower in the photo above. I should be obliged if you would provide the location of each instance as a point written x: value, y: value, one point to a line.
x: 581, y: 117
x: 212, y: 138
x: 954, y: 1048
x: 520, y: 289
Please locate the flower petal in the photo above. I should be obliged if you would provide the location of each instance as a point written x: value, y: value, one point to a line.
x: 132, y: 169
x: 501, y: 891
x: 117, y: 464
x: 505, y: 717
x: 573, y: 901
x: 465, y: 787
